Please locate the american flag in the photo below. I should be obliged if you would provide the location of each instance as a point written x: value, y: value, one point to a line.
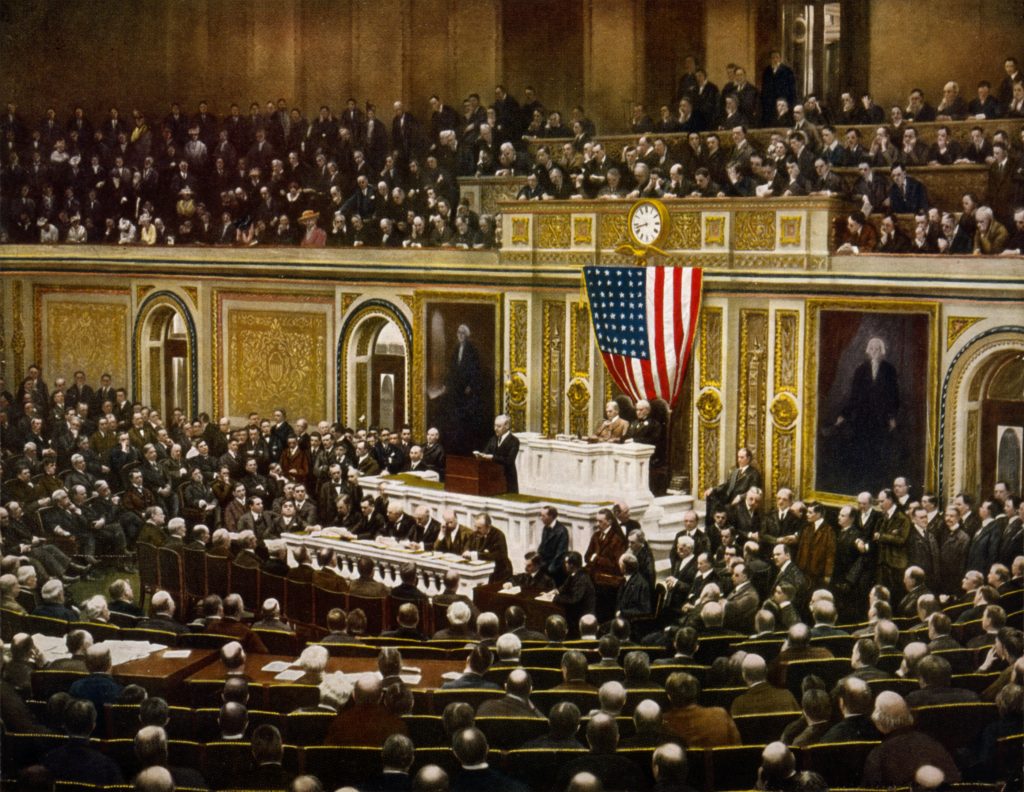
x: 645, y: 319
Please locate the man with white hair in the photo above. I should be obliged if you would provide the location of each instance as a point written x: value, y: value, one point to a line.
x: 761, y: 697
x: 503, y: 448
x: 458, y: 615
x: 508, y: 648
x: 614, y: 427
x: 95, y: 610
x: 271, y: 617
x: 53, y: 606
x: 161, y: 616
x: 904, y: 749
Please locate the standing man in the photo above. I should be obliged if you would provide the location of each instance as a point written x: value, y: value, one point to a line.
x: 816, y: 548
x: 503, y: 448
x: 892, y: 536
x: 731, y: 491
x: 777, y: 82
x: 602, y: 560
x: 554, y: 544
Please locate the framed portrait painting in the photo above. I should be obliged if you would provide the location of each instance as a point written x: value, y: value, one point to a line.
x: 871, y: 389
x: 457, y: 365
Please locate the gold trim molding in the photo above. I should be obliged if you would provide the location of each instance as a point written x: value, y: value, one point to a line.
x: 752, y: 373
x: 787, y: 352
x: 710, y: 347
x: 956, y: 326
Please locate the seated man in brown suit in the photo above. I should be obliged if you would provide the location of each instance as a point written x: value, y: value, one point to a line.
x: 697, y: 726
x: 761, y: 697
x: 367, y: 722
x: 797, y: 647
x: 229, y: 622
x: 516, y: 701
x: 366, y: 586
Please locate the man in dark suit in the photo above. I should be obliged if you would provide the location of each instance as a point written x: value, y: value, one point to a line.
x: 741, y: 478
x: 396, y: 757
x: 742, y: 602
x: 554, y: 544
x: 777, y: 82
x: 76, y: 760
x: 760, y: 697
x: 534, y: 576
x: 99, y: 687
x: 633, y: 599
x: 516, y: 701
x: 489, y: 544
x: 470, y: 748
x: 576, y: 594
x: 907, y: 195
x: 613, y: 770
x: 788, y: 572
x: 228, y: 622
x: 477, y: 663
x: 503, y: 448
x: 644, y: 428
x: 855, y: 700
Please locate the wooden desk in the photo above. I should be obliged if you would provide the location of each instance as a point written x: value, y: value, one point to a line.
x: 490, y: 598
x: 163, y: 676
x: 432, y: 669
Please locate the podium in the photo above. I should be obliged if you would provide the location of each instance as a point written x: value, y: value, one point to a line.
x: 472, y: 476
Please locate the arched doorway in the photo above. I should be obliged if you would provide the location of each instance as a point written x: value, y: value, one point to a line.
x: 374, y: 365
x: 164, y: 349
x: 983, y: 423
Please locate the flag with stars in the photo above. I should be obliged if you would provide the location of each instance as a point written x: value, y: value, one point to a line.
x: 645, y: 319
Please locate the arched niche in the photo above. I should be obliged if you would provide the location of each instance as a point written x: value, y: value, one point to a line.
x: 164, y: 364
x: 982, y: 423
x: 375, y: 366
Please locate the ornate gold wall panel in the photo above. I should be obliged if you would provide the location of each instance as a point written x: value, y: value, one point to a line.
x: 956, y: 326
x: 579, y: 408
x: 784, y: 411
x: 276, y: 359
x: 685, y: 232
x: 613, y: 230
x: 554, y: 232
x: 17, y: 330
x: 754, y: 231
x: 579, y: 330
x: 707, y: 466
x: 517, y: 390
x: 553, y: 367
x: 710, y: 349
x: 972, y: 479
x: 787, y: 350
x: 90, y: 334
x: 752, y: 374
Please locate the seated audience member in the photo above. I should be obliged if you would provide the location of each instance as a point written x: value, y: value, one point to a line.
x: 934, y: 675
x: 337, y: 626
x: 99, y: 687
x: 78, y: 643
x: 563, y: 726
x: 268, y: 771
x: 613, y: 770
x: 636, y: 667
x: 53, y: 606
x: 229, y: 622
x: 556, y: 630
x: 649, y: 725
x: 904, y: 749
x: 408, y: 623
x: 508, y: 647
x: 367, y: 721
x: 122, y: 599
x: 761, y: 697
x: 313, y: 662
x: 477, y: 663
x: 151, y: 751
x: 695, y: 725
x: 854, y: 699
x: 797, y: 646
x: 685, y: 643
x: 516, y: 701
x: 470, y: 748
x: 76, y: 760
x: 270, y: 617
x: 458, y: 616
x: 574, y: 672
x: 515, y: 623
x: 408, y: 589
x: 365, y: 586
x: 815, y: 721
x: 778, y: 768
x: 430, y: 778
x: 232, y: 721
x: 669, y: 768
x: 397, y: 755
x: 611, y: 699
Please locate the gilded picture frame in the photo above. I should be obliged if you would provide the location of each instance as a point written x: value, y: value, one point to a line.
x: 839, y: 372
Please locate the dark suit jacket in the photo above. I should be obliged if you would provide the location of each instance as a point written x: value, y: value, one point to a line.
x: 76, y: 761
x: 577, y: 596
x: 249, y: 640
x: 508, y: 707
x: 737, y: 484
x: 484, y: 780
x: 853, y: 728
x: 470, y: 680
x: 634, y: 597
x: 505, y: 455
x: 493, y: 547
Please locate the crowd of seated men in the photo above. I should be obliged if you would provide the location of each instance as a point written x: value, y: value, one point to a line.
x: 276, y: 177
x: 899, y: 587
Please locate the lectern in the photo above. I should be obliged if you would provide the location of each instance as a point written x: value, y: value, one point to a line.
x: 472, y: 476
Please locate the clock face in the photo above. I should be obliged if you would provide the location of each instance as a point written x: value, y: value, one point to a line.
x: 645, y: 224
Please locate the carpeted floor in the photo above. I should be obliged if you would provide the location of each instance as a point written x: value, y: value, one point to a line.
x: 84, y: 589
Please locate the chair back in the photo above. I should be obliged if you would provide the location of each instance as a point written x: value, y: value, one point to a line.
x: 895, y: 684
x: 351, y: 649
x: 763, y: 728
x: 149, y: 568
x: 720, y: 697
x: 246, y: 581
x: 272, y: 586
x: 538, y: 767
x: 153, y: 636
x: 425, y: 730
x: 55, y: 628
x: 1009, y: 755
x: 299, y: 602
x: 309, y: 728
x: 961, y: 661
x: 975, y: 681
x: 11, y: 623
x: 660, y: 672
x: 598, y: 675
x: 226, y: 762
x: 289, y: 697
x: 204, y: 640
x: 218, y: 573
x: 543, y: 656
x: 714, y: 646
x: 171, y: 577
x: 375, y: 609
x: 45, y: 683
x: 123, y: 620
x: 544, y: 700
x: 838, y: 645
x: 734, y: 766
x: 508, y: 732
x: 194, y: 577
x: 100, y: 631
x: 324, y: 601
x: 840, y: 764
x: 23, y: 750
x: 955, y: 725
x: 831, y: 670
x: 337, y: 766
x: 279, y: 642
x: 472, y: 696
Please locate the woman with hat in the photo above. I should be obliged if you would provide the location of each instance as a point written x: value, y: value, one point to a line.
x: 315, y: 236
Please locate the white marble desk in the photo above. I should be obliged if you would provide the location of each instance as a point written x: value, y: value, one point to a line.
x: 388, y: 560
x: 575, y: 469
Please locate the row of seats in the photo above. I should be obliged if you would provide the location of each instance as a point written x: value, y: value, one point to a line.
x: 725, y: 768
